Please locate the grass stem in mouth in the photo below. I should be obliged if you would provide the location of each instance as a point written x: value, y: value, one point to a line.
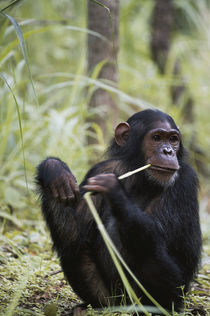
x: 128, y: 174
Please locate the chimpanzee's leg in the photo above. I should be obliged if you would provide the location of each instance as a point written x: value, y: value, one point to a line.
x: 69, y: 233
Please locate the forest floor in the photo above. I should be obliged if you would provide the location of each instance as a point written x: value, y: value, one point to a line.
x: 31, y: 281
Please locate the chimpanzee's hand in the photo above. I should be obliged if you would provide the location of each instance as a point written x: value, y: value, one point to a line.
x: 65, y: 188
x: 55, y: 176
x: 105, y: 182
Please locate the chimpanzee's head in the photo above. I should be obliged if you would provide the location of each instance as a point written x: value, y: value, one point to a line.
x: 150, y: 137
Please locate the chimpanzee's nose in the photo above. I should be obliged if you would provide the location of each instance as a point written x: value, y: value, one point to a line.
x: 167, y: 151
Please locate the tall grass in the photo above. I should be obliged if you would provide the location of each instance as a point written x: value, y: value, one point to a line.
x: 44, y: 91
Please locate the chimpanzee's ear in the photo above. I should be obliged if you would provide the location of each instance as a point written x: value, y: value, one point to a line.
x: 121, y: 133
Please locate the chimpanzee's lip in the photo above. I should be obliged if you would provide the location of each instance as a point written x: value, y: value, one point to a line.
x: 164, y: 169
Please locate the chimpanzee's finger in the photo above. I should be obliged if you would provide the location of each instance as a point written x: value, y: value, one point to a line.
x: 77, y: 193
x: 103, y: 176
x: 75, y: 189
x: 54, y: 191
x: 70, y: 197
x: 94, y: 188
x: 62, y: 194
x: 97, y: 181
x: 69, y: 194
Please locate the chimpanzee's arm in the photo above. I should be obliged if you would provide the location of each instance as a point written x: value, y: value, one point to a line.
x: 59, y: 193
x: 140, y: 226
x: 70, y: 226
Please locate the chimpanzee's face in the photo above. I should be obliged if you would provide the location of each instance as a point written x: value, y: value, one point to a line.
x: 161, y: 145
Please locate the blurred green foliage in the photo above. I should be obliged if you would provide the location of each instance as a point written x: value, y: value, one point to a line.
x: 53, y: 121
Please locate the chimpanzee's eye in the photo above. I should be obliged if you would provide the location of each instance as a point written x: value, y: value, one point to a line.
x: 157, y: 138
x: 174, y: 139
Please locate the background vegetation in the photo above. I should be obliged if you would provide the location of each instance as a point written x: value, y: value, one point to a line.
x: 50, y: 115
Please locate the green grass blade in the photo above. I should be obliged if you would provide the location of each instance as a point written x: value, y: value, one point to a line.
x: 20, y: 125
x: 6, y: 126
x: 87, y: 81
x: 23, y: 48
x: 11, y: 5
x: 11, y: 218
x: 14, y: 43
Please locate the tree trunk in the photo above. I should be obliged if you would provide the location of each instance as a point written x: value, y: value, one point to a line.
x: 99, y: 50
x: 162, y: 19
x: 162, y: 28
x: 177, y: 92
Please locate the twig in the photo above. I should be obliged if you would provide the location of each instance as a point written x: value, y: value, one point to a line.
x: 128, y: 174
x: 53, y: 273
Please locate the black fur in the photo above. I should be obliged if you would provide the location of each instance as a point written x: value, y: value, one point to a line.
x: 155, y: 228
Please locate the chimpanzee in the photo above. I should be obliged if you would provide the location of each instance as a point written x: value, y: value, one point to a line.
x: 152, y: 216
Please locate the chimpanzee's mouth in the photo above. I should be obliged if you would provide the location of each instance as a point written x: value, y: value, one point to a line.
x: 163, y: 169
